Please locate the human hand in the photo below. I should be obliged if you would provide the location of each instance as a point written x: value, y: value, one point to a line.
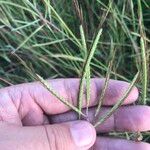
x: 32, y: 118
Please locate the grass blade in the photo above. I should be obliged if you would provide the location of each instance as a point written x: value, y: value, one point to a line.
x: 18, y: 6
x: 26, y: 40
x: 26, y: 25
x: 49, y: 43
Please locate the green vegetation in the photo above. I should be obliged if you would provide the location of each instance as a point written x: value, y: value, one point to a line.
x: 88, y: 38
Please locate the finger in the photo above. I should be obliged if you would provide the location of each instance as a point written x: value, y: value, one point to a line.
x: 79, y: 135
x: 128, y: 118
x: 103, y: 143
x: 29, y: 94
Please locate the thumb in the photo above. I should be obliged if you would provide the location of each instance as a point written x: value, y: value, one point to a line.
x: 79, y: 135
x: 72, y: 135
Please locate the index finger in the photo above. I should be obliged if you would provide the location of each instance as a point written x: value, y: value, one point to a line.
x: 29, y: 93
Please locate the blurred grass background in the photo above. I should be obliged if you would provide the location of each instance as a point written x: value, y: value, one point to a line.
x: 46, y: 35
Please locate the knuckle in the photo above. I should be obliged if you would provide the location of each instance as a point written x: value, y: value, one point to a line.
x: 58, y: 138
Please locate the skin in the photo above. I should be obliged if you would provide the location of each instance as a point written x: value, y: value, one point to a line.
x: 31, y: 117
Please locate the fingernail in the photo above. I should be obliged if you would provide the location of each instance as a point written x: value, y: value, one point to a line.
x: 83, y: 133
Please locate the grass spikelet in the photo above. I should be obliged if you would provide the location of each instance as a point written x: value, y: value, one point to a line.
x: 86, y: 65
x: 119, y: 102
x: 101, y: 99
x: 62, y: 99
